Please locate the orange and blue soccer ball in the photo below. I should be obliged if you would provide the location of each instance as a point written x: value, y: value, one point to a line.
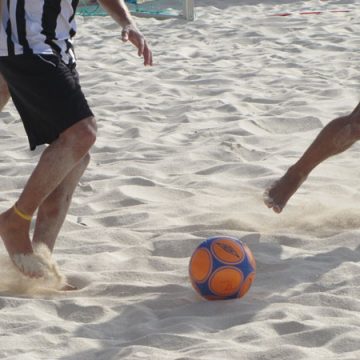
x: 222, y: 268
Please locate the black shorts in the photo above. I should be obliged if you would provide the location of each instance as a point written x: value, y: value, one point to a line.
x: 47, y: 94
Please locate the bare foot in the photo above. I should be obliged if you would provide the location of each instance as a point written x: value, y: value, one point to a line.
x: 278, y: 194
x: 14, y: 232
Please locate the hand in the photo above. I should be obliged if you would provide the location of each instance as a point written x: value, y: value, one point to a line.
x: 132, y: 34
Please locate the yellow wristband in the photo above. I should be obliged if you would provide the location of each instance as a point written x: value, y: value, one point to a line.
x: 21, y: 214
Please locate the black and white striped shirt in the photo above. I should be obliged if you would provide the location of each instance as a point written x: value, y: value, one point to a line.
x: 38, y: 27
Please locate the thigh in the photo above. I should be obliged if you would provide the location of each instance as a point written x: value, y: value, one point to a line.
x: 4, y: 92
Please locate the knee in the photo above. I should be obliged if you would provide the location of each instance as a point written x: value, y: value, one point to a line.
x: 86, y: 132
x: 82, y: 135
x: 355, y: 124
x: 4, y: 92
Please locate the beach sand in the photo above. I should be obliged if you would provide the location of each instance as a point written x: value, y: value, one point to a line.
x: 185, y: 151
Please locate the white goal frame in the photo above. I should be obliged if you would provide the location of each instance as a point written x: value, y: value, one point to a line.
x: 188, y: 10
x: 145, y: 8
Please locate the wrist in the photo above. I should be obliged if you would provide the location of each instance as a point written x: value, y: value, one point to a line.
x: 128, y: 24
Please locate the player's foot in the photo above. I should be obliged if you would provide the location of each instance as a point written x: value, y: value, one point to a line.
x: 14, y: 231
x: 278, y: 194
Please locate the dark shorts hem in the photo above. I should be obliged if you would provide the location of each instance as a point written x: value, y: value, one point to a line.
x: 47, y: 94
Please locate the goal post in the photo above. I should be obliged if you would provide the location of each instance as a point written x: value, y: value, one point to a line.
x: 161, y: 9
x: 189, y: 10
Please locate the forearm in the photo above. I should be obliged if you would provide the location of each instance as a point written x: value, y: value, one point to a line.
x: 118, y: 10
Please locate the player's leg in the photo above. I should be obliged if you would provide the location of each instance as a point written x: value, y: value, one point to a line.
x: 53, y: 210
x: 56, y: 162
x: 4, y: 92
x: 54, y: 111
x: 333, y: 139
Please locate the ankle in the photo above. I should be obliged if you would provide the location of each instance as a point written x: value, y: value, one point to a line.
x: 11, y: 222
x: 297, y: 172
x: 21, y: 214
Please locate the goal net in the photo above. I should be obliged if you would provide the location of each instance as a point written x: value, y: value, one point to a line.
x: 148, y: 8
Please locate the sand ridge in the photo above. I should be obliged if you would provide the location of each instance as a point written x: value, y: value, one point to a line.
x: 185, y: 150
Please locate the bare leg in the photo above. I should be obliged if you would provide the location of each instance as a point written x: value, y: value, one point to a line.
x: 4, y: 92
x: 56, y: 162
x: 52, y: 212
x: 333, y: 139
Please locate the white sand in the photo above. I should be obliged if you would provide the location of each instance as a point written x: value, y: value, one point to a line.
x: 184, y: 152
